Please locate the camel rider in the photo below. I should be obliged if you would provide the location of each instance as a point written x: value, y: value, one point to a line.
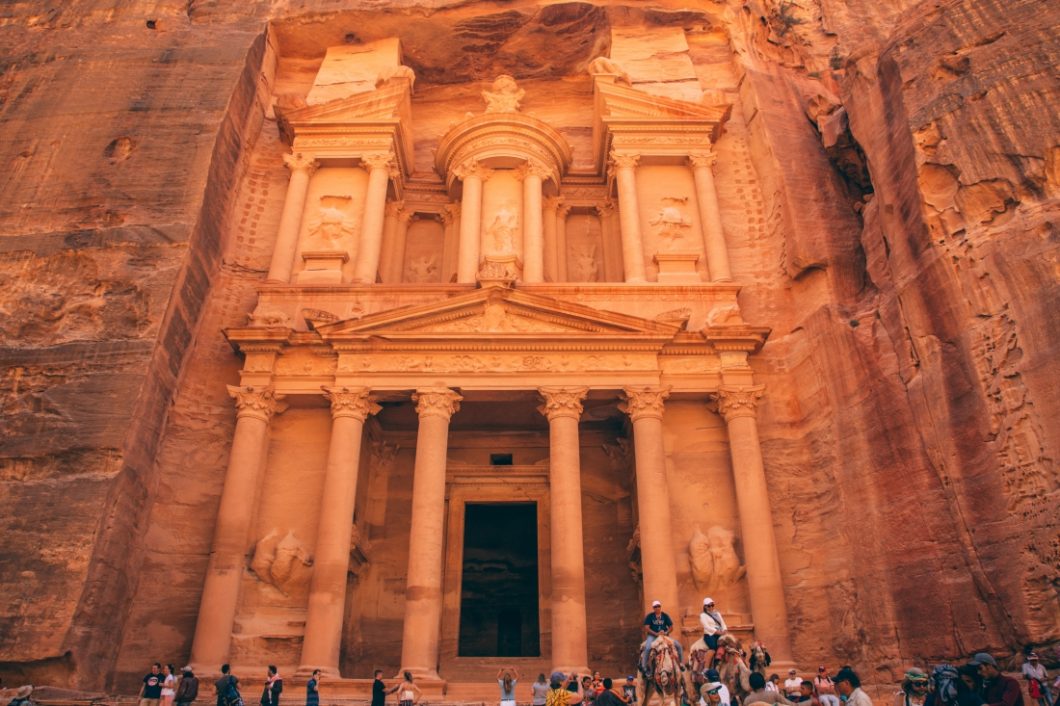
x: 658, y: 623
x: 713, y: 627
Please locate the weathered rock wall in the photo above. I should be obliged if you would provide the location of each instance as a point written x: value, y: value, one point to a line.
x: 889, y: 180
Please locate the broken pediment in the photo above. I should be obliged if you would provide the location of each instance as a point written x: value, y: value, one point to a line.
x: 498, y: 312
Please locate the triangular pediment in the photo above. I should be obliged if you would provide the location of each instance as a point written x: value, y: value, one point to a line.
x: 498, y: 313
x: 617, y: 102
x: 388, y: 102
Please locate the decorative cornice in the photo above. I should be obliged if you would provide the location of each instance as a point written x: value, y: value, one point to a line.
x: 436, y: 402
x: 356, y: 402
x: 644, y: 402
x: 736, y: 402
x: 562, y: 401
x: 300, y: 162
x: 256, y: 402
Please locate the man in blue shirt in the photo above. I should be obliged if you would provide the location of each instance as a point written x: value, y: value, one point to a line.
x: 658, y: 623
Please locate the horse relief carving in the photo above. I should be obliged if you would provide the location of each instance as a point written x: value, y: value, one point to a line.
x: 281, y: 561
x: 713, y: 558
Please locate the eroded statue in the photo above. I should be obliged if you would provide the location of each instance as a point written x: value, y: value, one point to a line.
x: 422, y: 269
x: 503, y: 96
x: 281, y: 561
x: 671, y: 225
x: 502, y: 232
x: 603, y: 65
x: 331, y: 225
x: 585, y: 268
x: 713, y: 558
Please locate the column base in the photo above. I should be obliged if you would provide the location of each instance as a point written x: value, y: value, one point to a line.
x: 580, y: 671
x: 305, y: 672
x: 677, y: 268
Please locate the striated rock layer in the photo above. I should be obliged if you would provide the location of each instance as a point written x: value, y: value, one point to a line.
x: 889, y: 181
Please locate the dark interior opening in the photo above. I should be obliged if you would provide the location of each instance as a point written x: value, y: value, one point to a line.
x: 498, y: 599
x: 501, y: 459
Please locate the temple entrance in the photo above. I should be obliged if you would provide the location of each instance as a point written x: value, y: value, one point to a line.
x: 499, y: 595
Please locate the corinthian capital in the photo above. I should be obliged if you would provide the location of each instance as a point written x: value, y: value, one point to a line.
x: 647, y: 401
x: 356, y: 402
x: 472, y: 168
x: 299, y: 162
x: 702, y: 159
x: 735, y: 402
x: 381, y: 160
x: 562, y: 401
x: 436, y: 402
x: 256, y: 401
x: 624, y: 160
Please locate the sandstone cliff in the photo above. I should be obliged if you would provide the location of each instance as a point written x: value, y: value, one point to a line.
x: 890, y: 180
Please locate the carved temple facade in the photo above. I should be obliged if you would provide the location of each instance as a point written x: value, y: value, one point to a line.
x: 505, y: 331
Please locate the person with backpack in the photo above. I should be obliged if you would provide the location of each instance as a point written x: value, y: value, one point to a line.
x: 227, y: 688
x: 187, y: 688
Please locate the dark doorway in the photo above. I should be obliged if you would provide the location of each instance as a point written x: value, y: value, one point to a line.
x: 498, y: 600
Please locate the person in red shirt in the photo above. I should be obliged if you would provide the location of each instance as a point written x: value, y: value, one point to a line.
x: 998, y: 690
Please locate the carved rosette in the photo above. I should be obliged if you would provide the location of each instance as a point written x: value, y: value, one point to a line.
x: 256, y: 402
x: 356, y: 402
x: 645, y: 402
x: 299, y: 162
x: 702, y: 159
x: 436, y: 402
x: 562, y: 402
x: 736, y: 402
x: 384, y: 160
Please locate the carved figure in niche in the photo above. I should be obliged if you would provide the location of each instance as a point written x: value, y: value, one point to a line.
x: 267, y: 317
x: 504, y: 96
x: 502, y: 231
x: 422, y: 269
x: 670, y: 223
x: 332, y: 223
x: 281, y: 562
x: 633, y: 553
x: 585, y: 267
x: 608, y: 66
x: 713, y: 558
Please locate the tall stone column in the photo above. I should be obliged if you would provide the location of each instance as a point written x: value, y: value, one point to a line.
x: 533, y: 233
x: 710, y: 216
x: 644, y: 405
x: 302, y: 167
x: 472, y: 174
x: 423, y: 592
x: 625, y: 166
x: 549, y: 234
x: 738, y: 406
x: 327, y: 588
x: 561, y: 243
x: 570, y: 649
x: 379, y: 168
x: 392, y: 253
x: 220, y: 592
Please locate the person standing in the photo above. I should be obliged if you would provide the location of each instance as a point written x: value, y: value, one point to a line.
x: 312, y: 689
x: 151, y: 689
x: 848, y: 685
x: 169, y: 685
x: 378, y: 689
x: 1037, y: 677
x: 998, y: 689
x: 270, y: 696
x: 227, y: 687
x: 609, y: 695
x: 187, y: 689
x: 558, y: 693
x: 824, y: 687
x: 407, y: 691
x: 506, y: 680
x: 539, y: 691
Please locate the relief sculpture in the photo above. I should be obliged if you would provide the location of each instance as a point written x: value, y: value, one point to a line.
x: 585, y: 267
x: 713, y: 558
x: 422, y: 269
x: 281, y: 562
x: 504, y: 96
x: 671, y: 225
x: 332, y: 224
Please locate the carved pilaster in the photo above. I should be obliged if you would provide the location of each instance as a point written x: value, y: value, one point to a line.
x: 356, y: 402
x: 436, y: 402
x: 256, y: 402
x: 735, y: 402
x: 562, y: 401
x: 648, y: 401
x: 300, y: 162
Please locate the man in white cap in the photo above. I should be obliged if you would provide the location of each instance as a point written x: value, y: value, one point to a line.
x: 713, y: 627
x: 714, y: 687
x: 1037, y: 679
x: 658, y: 623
